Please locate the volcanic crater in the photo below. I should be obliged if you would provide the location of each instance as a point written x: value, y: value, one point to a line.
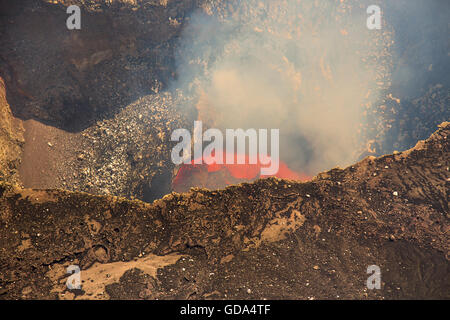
x: 86, y: 176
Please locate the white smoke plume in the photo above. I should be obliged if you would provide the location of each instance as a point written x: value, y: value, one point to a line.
x: 310, y: 68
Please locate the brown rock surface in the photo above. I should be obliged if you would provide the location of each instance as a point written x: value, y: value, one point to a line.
x: 294, y: 240
x: 11, y: 140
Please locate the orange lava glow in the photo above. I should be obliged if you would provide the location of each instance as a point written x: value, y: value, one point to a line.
x: 214, y: 176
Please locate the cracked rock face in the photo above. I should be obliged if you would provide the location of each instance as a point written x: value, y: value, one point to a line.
x: 299, y: 240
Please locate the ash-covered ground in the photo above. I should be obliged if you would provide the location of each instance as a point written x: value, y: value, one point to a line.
x: 87, y: 115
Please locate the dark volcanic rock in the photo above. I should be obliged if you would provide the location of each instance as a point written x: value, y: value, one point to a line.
x: 130, y: 154
x: 294, y: 240
x: 70, y: 78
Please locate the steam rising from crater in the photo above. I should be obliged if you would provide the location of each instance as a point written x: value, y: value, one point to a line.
x: 310, y: 68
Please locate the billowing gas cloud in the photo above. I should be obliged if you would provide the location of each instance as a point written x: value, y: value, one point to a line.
x: 309, y: 68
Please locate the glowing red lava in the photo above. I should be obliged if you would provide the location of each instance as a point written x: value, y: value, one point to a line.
x: 216, y: 176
